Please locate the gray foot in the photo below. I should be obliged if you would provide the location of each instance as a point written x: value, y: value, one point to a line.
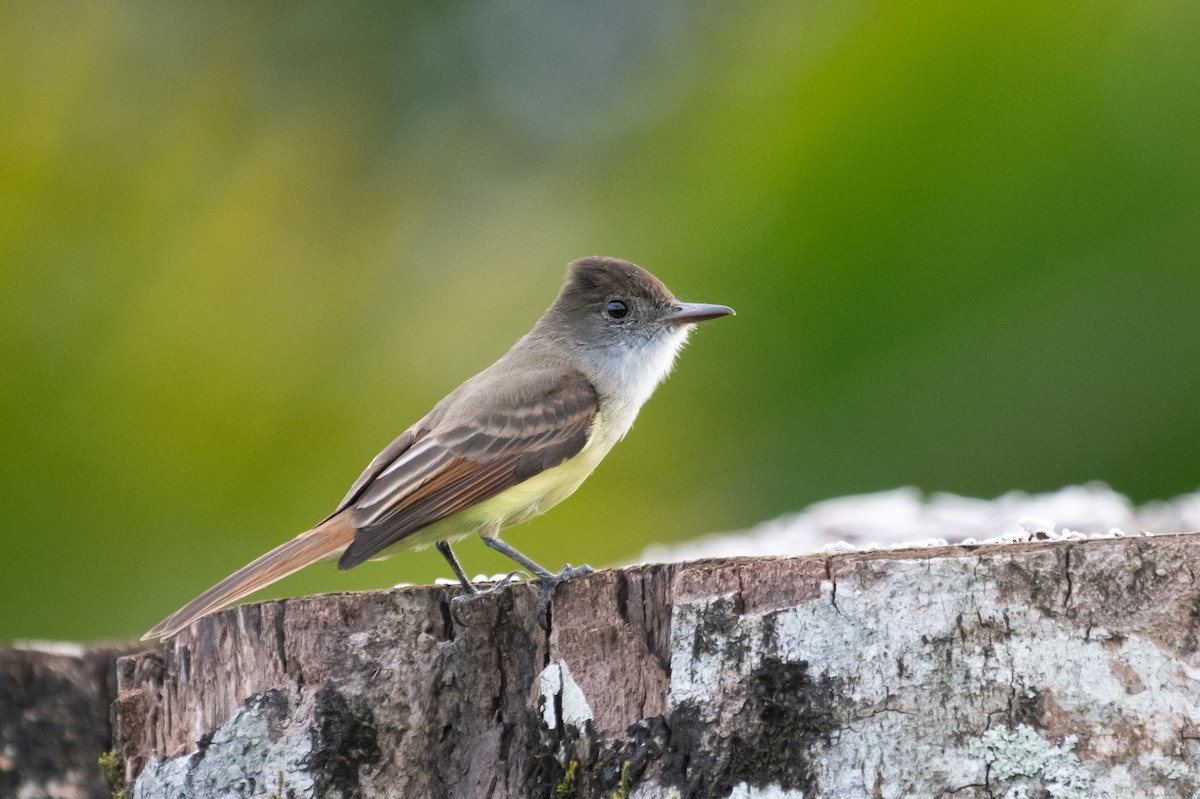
x: 471, y: 594
x: 548, y: 583
x: 548, y: 580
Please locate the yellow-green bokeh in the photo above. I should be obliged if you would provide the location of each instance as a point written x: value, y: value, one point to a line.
x: 244, y: 245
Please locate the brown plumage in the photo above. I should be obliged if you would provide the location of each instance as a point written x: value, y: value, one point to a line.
x: 309, y: 547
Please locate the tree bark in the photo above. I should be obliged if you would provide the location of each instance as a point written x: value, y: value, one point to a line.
x: 1060, y: 669
x: 1063, y: 669
x: 54, y: 720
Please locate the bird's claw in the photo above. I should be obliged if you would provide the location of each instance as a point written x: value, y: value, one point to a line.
x: 549, y: 582
x: 469, y: 596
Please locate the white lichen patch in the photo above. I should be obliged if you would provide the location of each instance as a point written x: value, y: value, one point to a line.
x: 1169, y: 767
x: 1024, y: 753
x: 913, y: 659
x: 653, y: 790
x: 244, y: 758
x: 556, y: 684
x: 744, y: 791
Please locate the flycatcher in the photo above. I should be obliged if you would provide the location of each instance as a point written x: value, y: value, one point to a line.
x: 505, y: 446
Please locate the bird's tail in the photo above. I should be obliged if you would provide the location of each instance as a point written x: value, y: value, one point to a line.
x: 324, y: 540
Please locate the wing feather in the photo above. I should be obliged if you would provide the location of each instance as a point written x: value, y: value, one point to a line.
x: 389, y: 455
x: 446, y: 468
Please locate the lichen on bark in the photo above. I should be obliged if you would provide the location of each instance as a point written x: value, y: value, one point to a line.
x: 969, y: 672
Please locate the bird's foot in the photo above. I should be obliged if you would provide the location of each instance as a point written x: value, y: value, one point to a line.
x: 471, y: 594
x: 549, y: 582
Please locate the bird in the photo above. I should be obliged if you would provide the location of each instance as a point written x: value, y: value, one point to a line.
x: 505, y: 446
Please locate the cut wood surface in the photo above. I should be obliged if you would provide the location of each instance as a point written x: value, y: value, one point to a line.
x: 1061, y: 669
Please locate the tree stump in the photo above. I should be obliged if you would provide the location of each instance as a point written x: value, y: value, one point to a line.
x: 1061, y: 669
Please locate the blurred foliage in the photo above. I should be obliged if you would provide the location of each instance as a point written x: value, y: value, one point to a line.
x: 242, y: 246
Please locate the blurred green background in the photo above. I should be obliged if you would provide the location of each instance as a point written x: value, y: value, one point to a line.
x: 244, y: 245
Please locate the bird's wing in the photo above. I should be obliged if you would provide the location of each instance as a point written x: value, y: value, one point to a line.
x: 432, y: 472
x: 380, y: 462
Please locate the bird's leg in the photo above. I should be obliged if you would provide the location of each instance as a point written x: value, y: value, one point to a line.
x: 448, y: 554
x: 471, y: 592
x: 549, y: 580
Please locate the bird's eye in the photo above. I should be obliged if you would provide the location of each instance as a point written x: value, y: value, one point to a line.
x: 616, y: 309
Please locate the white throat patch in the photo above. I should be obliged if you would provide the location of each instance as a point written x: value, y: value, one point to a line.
x: 630, y: 377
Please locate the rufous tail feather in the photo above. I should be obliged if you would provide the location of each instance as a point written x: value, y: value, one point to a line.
x: 324, y: 540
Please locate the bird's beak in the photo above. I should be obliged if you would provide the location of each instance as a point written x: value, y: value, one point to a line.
x: 686, y: 313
